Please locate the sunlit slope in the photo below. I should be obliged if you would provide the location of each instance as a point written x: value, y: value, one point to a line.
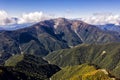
x: 81, y: 72
x: 105, y: 56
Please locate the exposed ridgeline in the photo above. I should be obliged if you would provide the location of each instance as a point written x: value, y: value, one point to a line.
x: 27, y: 67
x: 106, y: 56
x: 81, y: 72
x: 51, y: 35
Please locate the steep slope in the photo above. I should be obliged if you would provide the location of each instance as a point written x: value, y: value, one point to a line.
x: 32, y: 66
x: 75, y: 32
x: 63, y: 28
x: 105, y: 56
x: 81, y: 72
x: 33, y: 40
x: 51, y: 35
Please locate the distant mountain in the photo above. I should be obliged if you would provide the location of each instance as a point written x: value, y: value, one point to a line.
x: 1, y: 28
x: 15, y: 26
x: 105, y: 56
x: 51, y: 35
x: 110, y: 27
x: 30, y: 66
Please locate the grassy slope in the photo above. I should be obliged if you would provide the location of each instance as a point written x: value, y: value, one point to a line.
x: 12, y: 61
x: 103, y: 56
x: 80, y: 72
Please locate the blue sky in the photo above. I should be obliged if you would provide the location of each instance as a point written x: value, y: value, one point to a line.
x: 74, y: 8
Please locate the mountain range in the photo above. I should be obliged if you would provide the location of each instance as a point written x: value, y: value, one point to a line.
x: 58, y: 45
x: 15, y: 26
x: 110, y: 27
x: 50, y: 35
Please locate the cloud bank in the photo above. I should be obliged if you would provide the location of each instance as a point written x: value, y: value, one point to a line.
x: 96, y: 19
x: 33, y: 17
x: 6, y: 19
x: 103, y: 18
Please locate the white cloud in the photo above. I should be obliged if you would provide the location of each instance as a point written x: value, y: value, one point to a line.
x: 97, y: 18
x: 103, y: 18
x: 5, y: 18
x: 33, y: 17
